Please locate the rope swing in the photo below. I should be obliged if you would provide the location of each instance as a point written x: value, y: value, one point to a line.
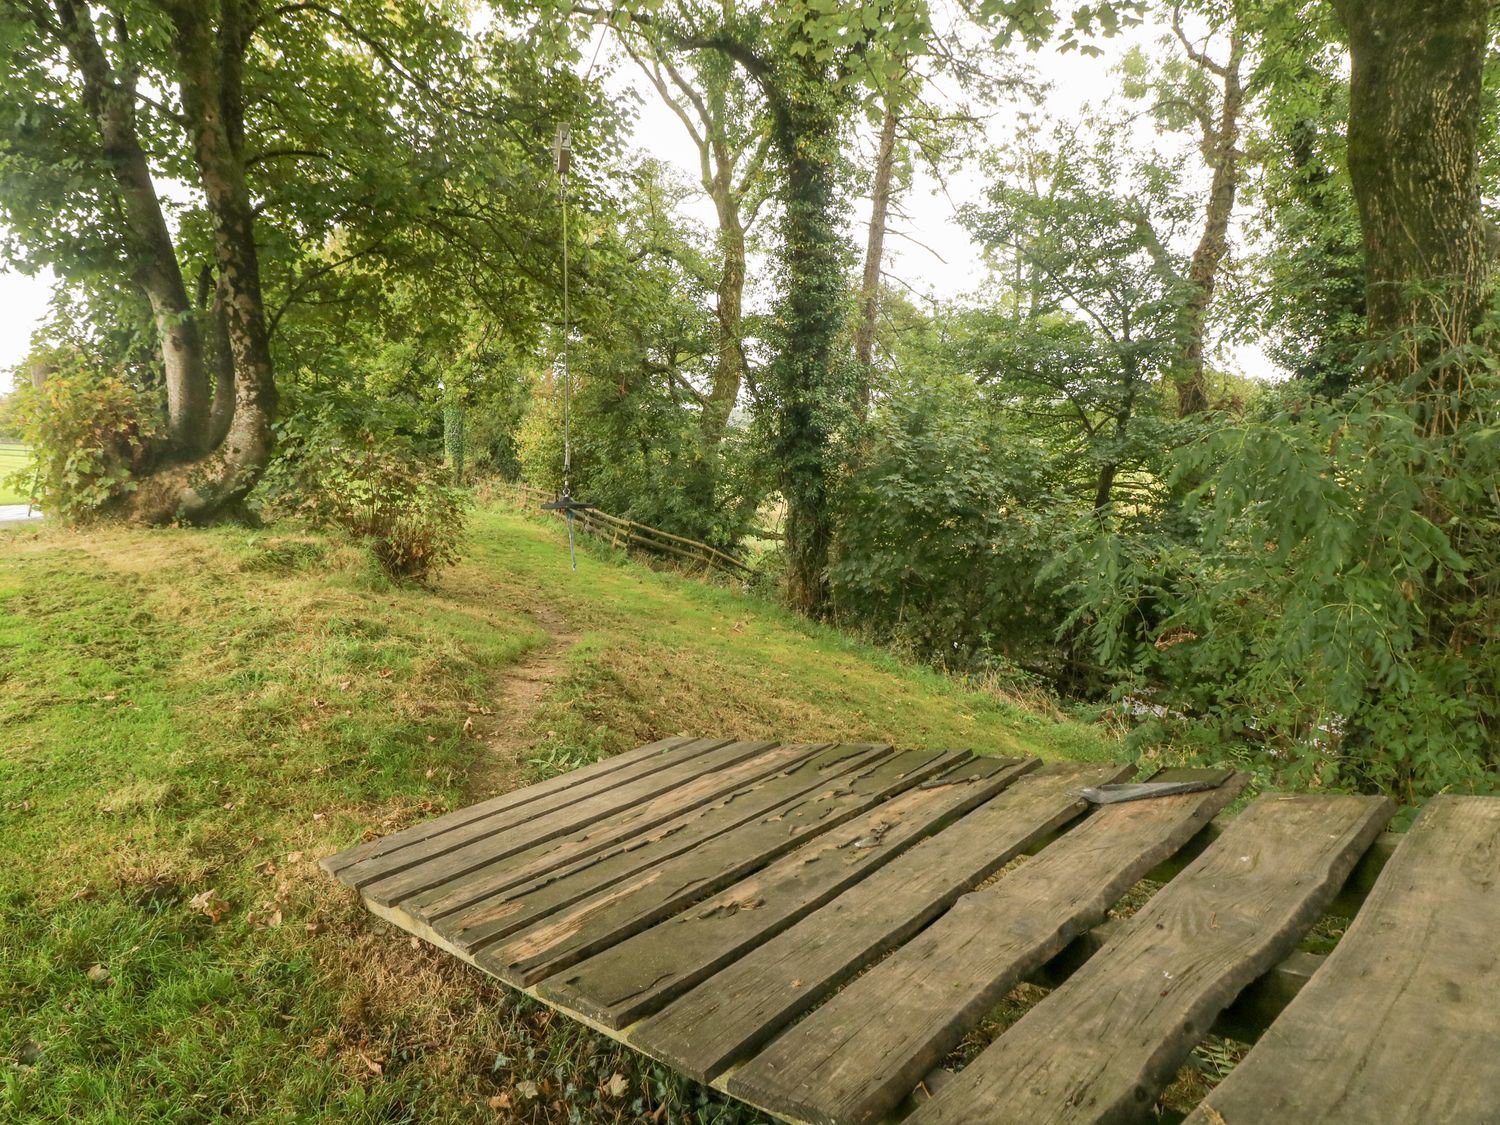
x: 562, y: 151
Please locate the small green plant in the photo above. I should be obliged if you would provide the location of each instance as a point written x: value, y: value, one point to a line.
x: 90, y: 433
x: 385, y: 495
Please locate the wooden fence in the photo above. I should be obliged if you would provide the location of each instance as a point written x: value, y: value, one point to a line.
x: 627, y: 533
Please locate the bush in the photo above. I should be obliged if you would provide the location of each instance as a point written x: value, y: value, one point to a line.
x: 401, y: 505
x: 10, y: 425
x: 1337, y: 617
x: 941, y: 534
x: 90, y: 432
x: 332, y: 469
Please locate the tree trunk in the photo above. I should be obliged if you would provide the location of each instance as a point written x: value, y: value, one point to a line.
x: 880, y: 205
x: 1414, y: 114
x: 813, y: 398
x: 1221, y: 150
x: 729, y: 374
x: 209, y: 82
x: 1104, y: 488
x: 221, y: 414
x: 110, y: 100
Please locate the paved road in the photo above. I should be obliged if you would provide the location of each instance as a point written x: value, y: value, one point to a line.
x: 16, y: 513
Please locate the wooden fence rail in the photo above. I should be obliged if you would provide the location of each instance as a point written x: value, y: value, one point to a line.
x: 623, y: 532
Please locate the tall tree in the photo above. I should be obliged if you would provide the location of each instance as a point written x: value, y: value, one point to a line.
x: 84, y: 74
x: 1081, y: 359
x: 291, y: 189
x: 810, y: 62
x: 1218, y: 117
x: 732, y: 143
x: 881, y: 189
x: 1415, y: 107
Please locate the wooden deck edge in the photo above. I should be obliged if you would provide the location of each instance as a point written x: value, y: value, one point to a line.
x: 419, y: 929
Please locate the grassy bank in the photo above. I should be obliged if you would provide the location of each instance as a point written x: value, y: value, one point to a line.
x: 191, y: 719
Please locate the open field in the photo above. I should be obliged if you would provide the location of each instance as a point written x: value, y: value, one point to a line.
x: 12, y: 459
x: 192, y: 719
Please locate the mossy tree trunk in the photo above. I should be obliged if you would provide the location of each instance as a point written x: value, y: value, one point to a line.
x: 809, y: 381
x: 1414, y: 118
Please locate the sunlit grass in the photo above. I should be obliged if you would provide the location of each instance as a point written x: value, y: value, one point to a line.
x: 190, y: 712
x: 13, y: 459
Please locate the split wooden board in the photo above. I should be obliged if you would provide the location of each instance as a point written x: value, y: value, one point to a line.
x: 1401, y: 1025
x: 814, y: 927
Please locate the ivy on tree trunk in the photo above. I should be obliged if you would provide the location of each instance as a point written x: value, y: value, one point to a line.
x: 809, y: 380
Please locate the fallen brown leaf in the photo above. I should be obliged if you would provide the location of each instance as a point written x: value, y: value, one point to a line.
x: 211, y: 904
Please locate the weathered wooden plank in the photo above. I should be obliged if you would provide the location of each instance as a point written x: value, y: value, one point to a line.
x: 1401, y: 1025
x: 738, y: 1009
x: 1345, y: 904
x: 643, y: 972
x: 619, y: 827
x: 659, y: 892
x: 855, y: 1058
x: 519, y: 907
x: 1101, y: 1047
x: 591, y: 778
x: 390, y: 878
x: 1252, y: 1011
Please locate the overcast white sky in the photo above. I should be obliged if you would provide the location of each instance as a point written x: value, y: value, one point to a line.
x: 949, y: 266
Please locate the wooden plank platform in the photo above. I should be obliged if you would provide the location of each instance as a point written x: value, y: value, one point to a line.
x: 1400, y: 1025
x: 814, y: 927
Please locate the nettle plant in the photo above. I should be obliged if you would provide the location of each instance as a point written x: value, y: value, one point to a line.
x: 401, y: 505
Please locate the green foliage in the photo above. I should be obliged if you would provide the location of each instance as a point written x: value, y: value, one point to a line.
x: 398, y: 503
x: 1337, y: 616
x: 641, y: 374
x: 90, y: 432
x: 10, y: 425
x: 1309, y: 298
x: 342, y: 462
x: 943, y: 531
x: 1086, y: 335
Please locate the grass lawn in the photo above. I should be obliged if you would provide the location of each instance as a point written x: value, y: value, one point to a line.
x: 189, y: 720
x: 12, y: 458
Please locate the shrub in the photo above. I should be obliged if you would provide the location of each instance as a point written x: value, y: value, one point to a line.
x: 401, y: 505
x: 340, y: 462
x: 90, y: 432
x: 941, y: 533
x: 1337, y: 617
x: 379, y: 490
